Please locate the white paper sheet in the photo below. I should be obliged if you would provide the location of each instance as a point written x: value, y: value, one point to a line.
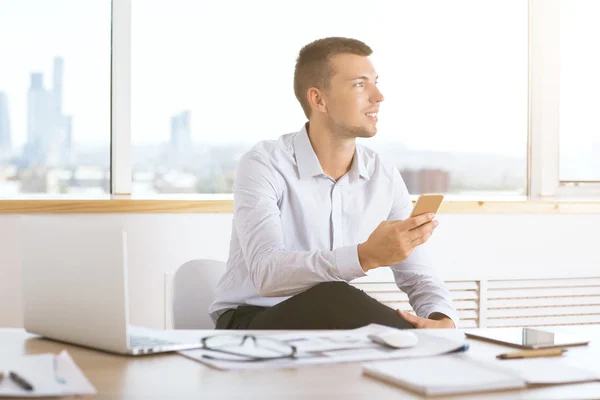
x: 71, y: 378
x: 329, y: 347
x: 548, y: 370
x: 38, y: 370
x: 49, y: 375
x: 451, y: 374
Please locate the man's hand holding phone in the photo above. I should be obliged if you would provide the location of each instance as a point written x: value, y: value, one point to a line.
x: 394, y: 241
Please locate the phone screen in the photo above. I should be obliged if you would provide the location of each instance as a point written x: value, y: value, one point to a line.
x: 427, y: 203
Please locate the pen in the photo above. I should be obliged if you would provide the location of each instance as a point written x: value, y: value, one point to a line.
x: 20, y: 381
x: 531, y: 354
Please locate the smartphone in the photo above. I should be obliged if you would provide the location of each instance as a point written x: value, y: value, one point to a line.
x: 427, y: 203
x: 528, y: 338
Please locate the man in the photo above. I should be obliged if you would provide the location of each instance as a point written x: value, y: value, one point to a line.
x: 314, y: 210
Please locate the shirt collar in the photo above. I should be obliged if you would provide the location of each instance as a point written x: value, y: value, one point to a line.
x: 309, y: 165
x: 358, y: 164
x: 306, y: 159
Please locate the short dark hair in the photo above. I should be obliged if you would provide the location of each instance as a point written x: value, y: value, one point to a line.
x: 313, y: 68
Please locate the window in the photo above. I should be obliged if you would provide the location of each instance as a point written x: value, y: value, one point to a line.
x: 579, y: 91
x: 54, y: 97
x: 210, y: 79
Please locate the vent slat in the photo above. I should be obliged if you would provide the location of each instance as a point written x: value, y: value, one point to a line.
x: 462, y: 314
x: 398, y: 296
x: 464, y: 295
x: 467, y: 323
x: 543, y: 292
x: 543, y: 283
x: 460, y: 304
x: 544, y: 302
x: 542, y: 311
x: 463, y: 285
x: 467, y: 314
x: 466, y: 305
x: 544, y: 321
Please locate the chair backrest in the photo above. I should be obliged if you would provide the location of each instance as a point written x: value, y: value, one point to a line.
x: 193, y: 288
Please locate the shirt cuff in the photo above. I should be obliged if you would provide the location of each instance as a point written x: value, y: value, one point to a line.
x: 348, y: 265
x: 447, y: 312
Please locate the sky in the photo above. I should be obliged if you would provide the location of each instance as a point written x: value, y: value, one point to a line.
x: 454, y: 74
x: 32, y: 33
x: 231, y: 63
x: 579, y: 124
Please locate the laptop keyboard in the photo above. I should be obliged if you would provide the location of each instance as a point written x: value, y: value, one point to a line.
x: 143, y: 341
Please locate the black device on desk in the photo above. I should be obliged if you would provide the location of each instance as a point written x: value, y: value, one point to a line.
x: 527, y: 338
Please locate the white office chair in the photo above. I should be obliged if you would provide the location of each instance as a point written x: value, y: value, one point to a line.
x: 193, y: 288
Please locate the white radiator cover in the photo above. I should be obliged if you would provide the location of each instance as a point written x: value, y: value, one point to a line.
x: 510, y: 303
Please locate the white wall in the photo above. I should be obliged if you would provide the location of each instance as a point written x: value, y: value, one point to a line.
x: 465, y: 246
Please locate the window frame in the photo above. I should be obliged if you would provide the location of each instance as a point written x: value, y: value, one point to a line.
x: 544, y: 107
x: 543, y: 182
x: 120, y: 134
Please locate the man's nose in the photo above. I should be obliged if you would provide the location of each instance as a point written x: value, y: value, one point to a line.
x: 377, y: 96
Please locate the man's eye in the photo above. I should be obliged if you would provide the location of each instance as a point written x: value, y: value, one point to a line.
x: 359, y: 84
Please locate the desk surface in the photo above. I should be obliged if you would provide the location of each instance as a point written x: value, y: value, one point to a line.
x: 173, y: 376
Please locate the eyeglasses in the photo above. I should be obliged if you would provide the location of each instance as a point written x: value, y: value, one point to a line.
x: 247, y: 348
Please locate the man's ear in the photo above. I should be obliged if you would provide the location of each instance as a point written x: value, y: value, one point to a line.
x: 316, y: 99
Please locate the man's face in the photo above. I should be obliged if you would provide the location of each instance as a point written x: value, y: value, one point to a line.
x: 352, y: 99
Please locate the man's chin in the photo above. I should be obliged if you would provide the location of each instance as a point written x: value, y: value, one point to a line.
x: 367, y: 133
x: 361, y: 132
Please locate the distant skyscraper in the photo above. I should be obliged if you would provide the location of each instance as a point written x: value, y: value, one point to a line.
x: 426, y: 180
x: 49, y: 134
x: 5, y: 142
x: 434, y: 181
x: 57, y: 86
x: 181, y: 136
x: 64, y: 136
x: 39, y: 120
x: 37, y: 81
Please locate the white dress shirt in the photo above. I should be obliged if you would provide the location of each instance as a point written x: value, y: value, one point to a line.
x: 295, y: 227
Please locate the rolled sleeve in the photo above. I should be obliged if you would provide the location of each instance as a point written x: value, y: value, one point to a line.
x: 348, y: 264
x: 447, y: 311
x: 426, y: 292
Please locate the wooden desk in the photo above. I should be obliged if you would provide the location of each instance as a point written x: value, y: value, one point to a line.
x: 171, y: 376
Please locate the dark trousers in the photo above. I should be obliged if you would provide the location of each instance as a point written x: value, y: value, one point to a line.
x: 330, y: 305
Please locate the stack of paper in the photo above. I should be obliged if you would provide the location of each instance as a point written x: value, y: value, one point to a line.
x: 548, y: 371
x: 49, y: 375
x: 454, y: 374
x: 444, y: 375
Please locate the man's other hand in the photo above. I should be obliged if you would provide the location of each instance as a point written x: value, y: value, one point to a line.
x: 424, y: 323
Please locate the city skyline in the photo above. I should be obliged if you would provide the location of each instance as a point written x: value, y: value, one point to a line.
x: 50, y: 136
x: 196, y: 104
x: 180, y: 74
x: 170, y: 72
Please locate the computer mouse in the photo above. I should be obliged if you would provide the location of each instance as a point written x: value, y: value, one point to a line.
x: 395, y: 338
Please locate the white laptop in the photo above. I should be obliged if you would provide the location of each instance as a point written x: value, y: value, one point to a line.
x: 74, y: 276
